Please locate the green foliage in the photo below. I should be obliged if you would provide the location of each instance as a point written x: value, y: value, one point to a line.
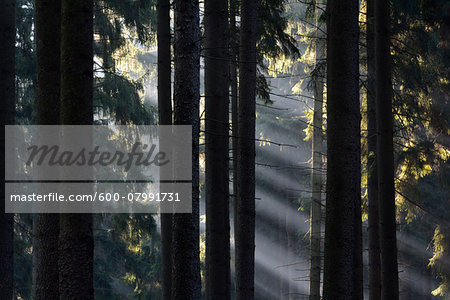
x: 122, y: 25
x: 127, y: 257
x: 273, y: 41
x: 420, y: 71
x: 440, y: 261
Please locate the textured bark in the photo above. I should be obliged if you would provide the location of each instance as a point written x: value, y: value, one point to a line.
x: 46, y: 226
x: 165, y: 118
x: 234, y: 53
x: 76, y: 242
x: 186, y: 281
x: 7, y: 43
x: 385, y: 152
x: 317, y: 174
x: 48, y: 30
x: 342, y: 266
x: 245, y: 235
x: 216, y: 150
x: 372, y: 179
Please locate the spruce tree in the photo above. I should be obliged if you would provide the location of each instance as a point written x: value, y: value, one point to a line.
x: 385, y: 152
x: 46, y: 226
x: 76, y: 244
x: 245, y: 223
x: 343, y: 259
x: 186, y: 281
x: 7, y: 58
x: 165, y: 118
x: 216, y: 150
x: 372, y: 179
x: 317, y: 171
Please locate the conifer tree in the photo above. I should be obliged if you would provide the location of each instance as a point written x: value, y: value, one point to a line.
x: 46, y: 226
x: 317, y: 172
x: 7, y: 44
x: 165, y: 118
x: 76, y: 244
x: 343, y: 258
x: 245, y: 234
x: 385, y: 152
x: 216, y: 150
x: 186, y: 281
x: 372, y: 180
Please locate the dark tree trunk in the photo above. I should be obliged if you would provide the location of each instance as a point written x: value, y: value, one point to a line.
x: 245, y: 235
x: 385, y: 152
x: 372, y: 179
x: 45, y: 242
x: 165, y: 118
x: 216, y: 150
x: 342, y: 249
x: 186, y: 281
x: 7, y: 44
x: 76, y: 242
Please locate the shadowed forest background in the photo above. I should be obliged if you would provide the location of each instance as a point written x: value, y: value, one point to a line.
x: 320, y: 146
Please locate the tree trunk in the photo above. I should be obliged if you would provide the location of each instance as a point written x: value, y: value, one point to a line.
x: 234, y: 53
x: 165, y: 118
x: 317, y: 173
x: 342, y: 266
x: 282, y: 249
x: 216, y: 150
x: 186, y: 282
x: 7, y: 45
x: 385, y: 152
x: 76, y: 242
x: 45, y: 242
x: 372, y: 179
x: 292, y: 242
x: 245, y: 235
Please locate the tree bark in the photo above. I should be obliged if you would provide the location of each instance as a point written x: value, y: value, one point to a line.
x: 245, y: 235
x: 165, y: 118
x: 7, y: 98
x: 317, y: 173
x: 216, y: 150
x: 76, y: 242
x: 342, y: 265
x: 234, y: 53
x: 385, y: 152
x: 372, y: 179
x: 186, y: 282
x: 45, y: 242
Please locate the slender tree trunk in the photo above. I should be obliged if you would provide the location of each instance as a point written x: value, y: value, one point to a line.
x: 234, y: 53
x: 385, y: 152
x: 343, y: 170
x: 46, y: 226
x: 245, y: 235
x: 76, y: 243
x: 186, y: 282
x: 317, y: 173
x: 291, y: 245
x: 372, y: 179
x: 283, y: 248
x: 216, y: 150
x: 165, y: 118
x: 7, y: 46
